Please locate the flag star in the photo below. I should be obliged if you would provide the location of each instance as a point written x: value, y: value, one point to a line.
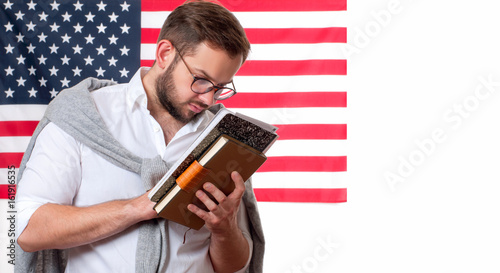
x: 124, y: 72
x: 32, y: 70
x: 100, y: 50
x: 42, y: 59
x: 8, y: 27
x: 102, y: 6
x: 88, y: 60
x: 65, y: 60
x: 112, y: 40
x: 20, y: 37
x: 55, y: 5
x: 31, y: 26
x: 42, y: 37
x: 9, y: 93
x: 32, y: 92
x: 43, y: 82
x: 112, y: 61
x: 43, y: 16
x: 77, y: 49
x: 113, y: 17
x: 8, y: 5
x: 54, y: 27
x: 90, y: 39
x: 124, y: 50
x: 78, y: 6
x: 100, y: 72
x: 66, y: 17
x: 101, y: 28
x: 9, y: 49
x: 19, y: 15
x: 90, y: 17
x: 66, y: 38
x: 31, y: 48
x: 125, y: 6
x: 53, y: 71
x: 125, y: 28
x: 20, y: 81
x: 53, y: 49
x: 65, y: 82
x: 31, y: 5
x: 78, y: 28
x: 9, y: 71
x: 20, y: 59
x: 53, y: 93
x: 76, y: 71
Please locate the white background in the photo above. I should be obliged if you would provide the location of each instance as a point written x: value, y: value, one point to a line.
x: 405, y: 77
x: 408, y: 75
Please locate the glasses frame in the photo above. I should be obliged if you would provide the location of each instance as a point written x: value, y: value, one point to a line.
x: 218, y: 89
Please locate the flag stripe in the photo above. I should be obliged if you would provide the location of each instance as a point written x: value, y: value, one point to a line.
x: 287, y: 68
x: 275, y: 35
x: 301, y: 195
x: 11, y: 159
x: 305, y: 164
x: 4, y: 190
x: 255, y: 5
x: 312, y: 131
x: 17, y: 128
x: 288, y: 99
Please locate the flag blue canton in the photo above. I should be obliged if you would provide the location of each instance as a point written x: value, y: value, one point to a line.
x: 48, y: 47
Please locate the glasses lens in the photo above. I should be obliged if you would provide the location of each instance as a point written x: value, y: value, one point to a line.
x: 202, y: 86
x: 224, y: 93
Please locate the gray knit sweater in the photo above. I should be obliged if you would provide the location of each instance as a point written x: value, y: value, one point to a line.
x: 73, y: 110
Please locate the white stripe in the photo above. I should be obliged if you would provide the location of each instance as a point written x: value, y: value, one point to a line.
x: 5, y: 176
x: 300, y: 180
x: 320, y: 51
x: 314, y: 19
x: 14, y: 144
x: 319, y: 115
x: 273, y: 84
x: 266, y: 52
x: 22, y: 112
x: 316, y: 147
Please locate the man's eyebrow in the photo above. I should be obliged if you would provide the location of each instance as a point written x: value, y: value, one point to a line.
x: 205, y: 75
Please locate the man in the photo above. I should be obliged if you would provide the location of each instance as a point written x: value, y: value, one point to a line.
x: 70, y: 197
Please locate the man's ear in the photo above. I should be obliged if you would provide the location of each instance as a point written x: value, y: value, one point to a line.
x: 165, y: 53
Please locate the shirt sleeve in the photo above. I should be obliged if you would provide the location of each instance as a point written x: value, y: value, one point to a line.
x: 243, y: 223
x: 52, y: 174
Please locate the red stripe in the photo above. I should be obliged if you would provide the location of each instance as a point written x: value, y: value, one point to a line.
x: 312, y: 131
x: 10, y: 159
x: 4, y: 191
x: 17, y: 128
x: 301, y: 195
x: 293, y: 68
x: 305, y: 164
x: 297, y: 35
x: 255, y: 5
x: 287, y: 99
x: 286, y: 68
x: 275, y: 36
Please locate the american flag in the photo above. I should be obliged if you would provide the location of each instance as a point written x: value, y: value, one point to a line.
x: 295, y: 78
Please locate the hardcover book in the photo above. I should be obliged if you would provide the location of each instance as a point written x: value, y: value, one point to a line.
x: 231, y: 142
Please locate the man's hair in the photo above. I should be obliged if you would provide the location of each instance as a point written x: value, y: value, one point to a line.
x: 197, y: 22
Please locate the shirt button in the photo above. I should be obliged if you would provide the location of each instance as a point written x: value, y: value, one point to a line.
x: 157, y: 129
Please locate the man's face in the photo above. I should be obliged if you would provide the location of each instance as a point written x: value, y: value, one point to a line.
x: 173, y: 87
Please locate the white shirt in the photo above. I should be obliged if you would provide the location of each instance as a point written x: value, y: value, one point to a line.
x: 62, y: 170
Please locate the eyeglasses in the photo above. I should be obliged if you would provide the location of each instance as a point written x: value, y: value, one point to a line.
x: 202, y: 85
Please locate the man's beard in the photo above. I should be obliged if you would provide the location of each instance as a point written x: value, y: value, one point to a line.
x: 166, y: 92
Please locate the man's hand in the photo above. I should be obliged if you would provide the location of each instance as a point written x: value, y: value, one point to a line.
x: 229, y: 249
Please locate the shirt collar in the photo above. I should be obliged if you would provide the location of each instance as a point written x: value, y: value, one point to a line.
x: 136, y: 95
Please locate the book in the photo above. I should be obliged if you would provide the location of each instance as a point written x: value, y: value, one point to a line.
x: 253, y: 133
x: 224, y: 156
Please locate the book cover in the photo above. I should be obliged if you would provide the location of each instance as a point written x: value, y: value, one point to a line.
x: 215, y: 165
x: 254, y: 133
